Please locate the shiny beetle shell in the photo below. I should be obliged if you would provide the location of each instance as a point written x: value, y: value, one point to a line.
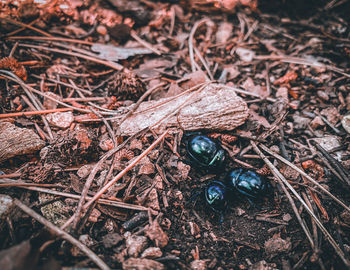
x: 247, y: 183
x: 205, y: 152
x: 215, y: 193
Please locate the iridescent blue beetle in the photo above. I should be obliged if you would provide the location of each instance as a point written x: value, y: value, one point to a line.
x: 205, y: 152
x: 247, y: 183
x: 215, y: 195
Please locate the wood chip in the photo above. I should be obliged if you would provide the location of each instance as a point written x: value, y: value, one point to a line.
x: 15, y: 141
x: 214, y: 108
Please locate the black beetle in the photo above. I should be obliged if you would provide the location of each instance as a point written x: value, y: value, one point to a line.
x: 205, y: 152
x: 215, y: 195
x: 247, y: 183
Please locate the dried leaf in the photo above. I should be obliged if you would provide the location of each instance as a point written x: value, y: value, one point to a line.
x: 113, y: 53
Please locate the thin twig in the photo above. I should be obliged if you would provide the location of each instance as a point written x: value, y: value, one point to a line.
x: 10, y: 175
x: 13, y: 77
x: 291, y: 201
x: 89, y: 181
x: 86, y: 57
x: 172, y: 20
x: 251, y: 30
x: 190, y: 42
x: 87, y: 99
x: 204, y: 63
x: 108, y: 202
x: 7, y: 182
x: 245, y: 92
x: 36, y: 107
x: 314, y: 226
x: 79, y: 41
x: 14, y: 48
x: 62, y: 234
x: 128, y: 168
x: 23, y: 28
x: 333, y: 162
x: 17, y: 114
x: 144, y: 43
x: 65, y: 84
x: 26, y: 26
x: 301, y: 61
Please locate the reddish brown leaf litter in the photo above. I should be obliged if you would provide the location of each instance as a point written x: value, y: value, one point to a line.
x: 126, y: 86
x: 97, y: 99
x: 12, y: 64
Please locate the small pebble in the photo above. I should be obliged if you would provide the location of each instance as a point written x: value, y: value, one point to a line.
x: 345, y: 122
x: 294, y: 104
x: 287, y: 217
x: 60, y: 119
x: 152, y: 253
x: 95, y: 214
x: 317, y: 122
x: 136, y: 144
x: 101, y: 29
x: 322, y: 95
x: 245, y: 55
x: 300, y: 122
x: 282, y: 92
x: 86, y: 240
x: 275, y: 149
x: 135, y: 244
x: 239, y: 211
x: 6, y: 203
x: 198, y: 265
x: 85, y: 170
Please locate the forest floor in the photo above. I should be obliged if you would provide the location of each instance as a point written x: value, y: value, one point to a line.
x: 70, y: 131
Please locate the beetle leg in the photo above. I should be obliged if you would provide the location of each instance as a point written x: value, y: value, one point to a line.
x: 252, y: 203
x: 221, y: 217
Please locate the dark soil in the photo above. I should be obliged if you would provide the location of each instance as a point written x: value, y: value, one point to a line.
x: 298, y: 80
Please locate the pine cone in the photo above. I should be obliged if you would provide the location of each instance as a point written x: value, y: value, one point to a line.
x: 126, y: 86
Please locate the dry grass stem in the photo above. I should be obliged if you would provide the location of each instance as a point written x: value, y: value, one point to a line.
x: 62, y: 234
x: 284, y: 181
x: 266, y: 149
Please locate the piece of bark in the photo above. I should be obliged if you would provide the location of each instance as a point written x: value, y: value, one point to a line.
x: 216, y: 107
x: 15, y: 141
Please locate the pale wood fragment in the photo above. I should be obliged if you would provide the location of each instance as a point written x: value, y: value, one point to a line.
x: 216, y: 107
x: 16, y: 141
